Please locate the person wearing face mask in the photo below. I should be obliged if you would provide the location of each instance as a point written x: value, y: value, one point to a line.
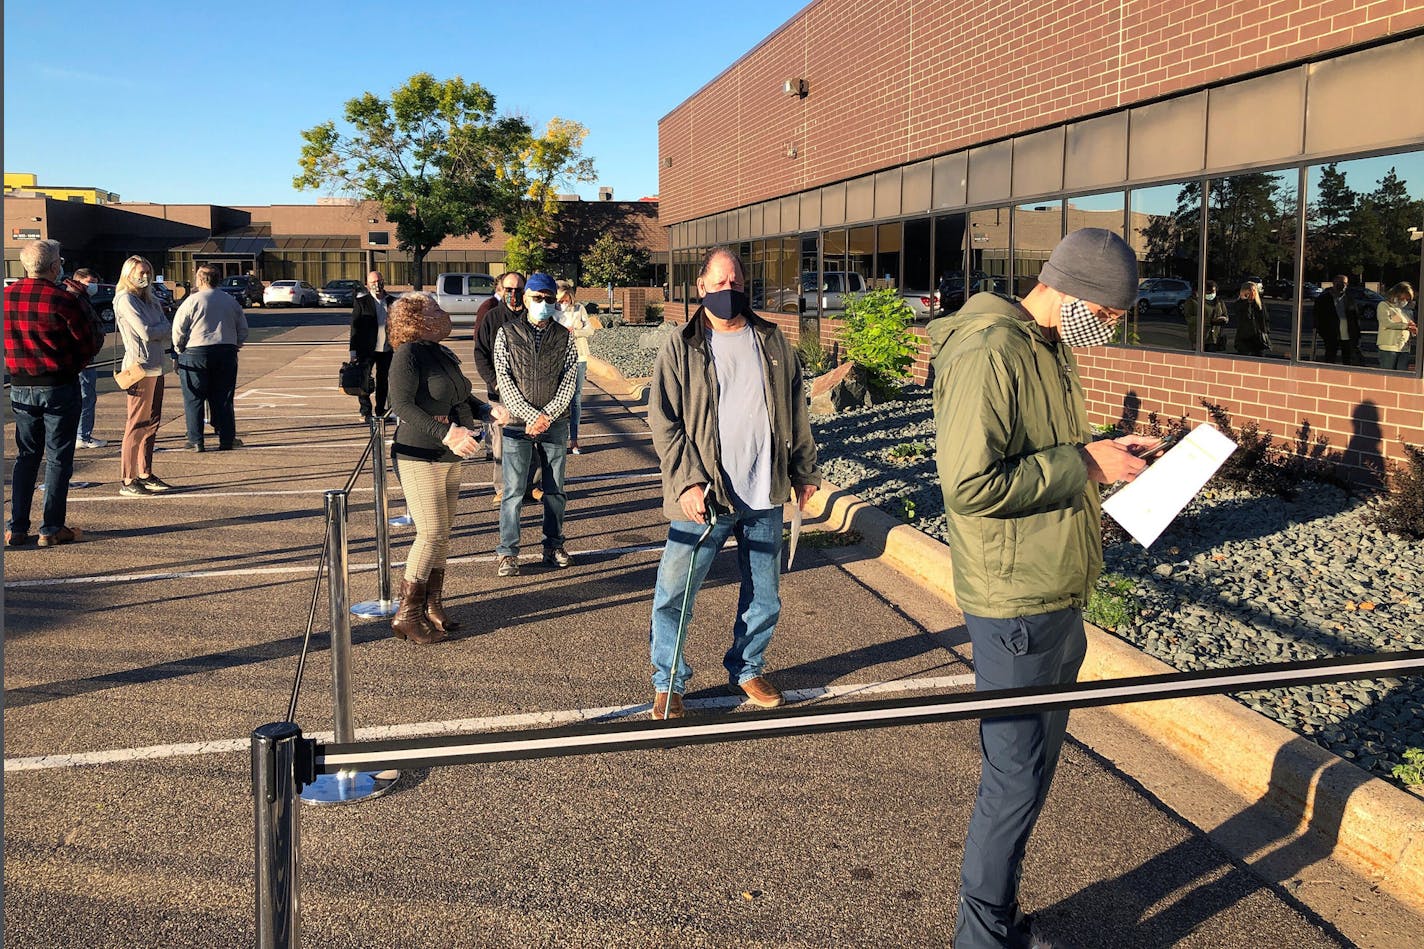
x: 1396, y: 329
x: 49, y: 339
x: 146, y: 332
x: 574, y: 318
x: 438, y: 412
x: 1213, y: 310
x: 1019, y: 469
x: 732, y: 431
x: 509, y: 305
x: 535, y: 373
x: 368, y: 341
x: 84, y: 285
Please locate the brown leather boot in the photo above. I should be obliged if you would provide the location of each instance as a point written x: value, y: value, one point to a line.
x: 409, y: 621
x: 435, y: 604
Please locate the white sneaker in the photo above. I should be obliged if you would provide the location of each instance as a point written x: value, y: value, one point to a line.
x: 91, y: 443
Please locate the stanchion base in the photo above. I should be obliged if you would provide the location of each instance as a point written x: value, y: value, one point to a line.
x: 375, y: 609
x: 347, y: 786
x: 401, y: 520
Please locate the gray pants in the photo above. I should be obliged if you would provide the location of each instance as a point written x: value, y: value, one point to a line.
x: 1020, y: 754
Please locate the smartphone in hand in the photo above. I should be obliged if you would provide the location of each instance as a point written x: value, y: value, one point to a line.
x: 1159, y: 447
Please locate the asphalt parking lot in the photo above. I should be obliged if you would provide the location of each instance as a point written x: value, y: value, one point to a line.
x: 138, y: 661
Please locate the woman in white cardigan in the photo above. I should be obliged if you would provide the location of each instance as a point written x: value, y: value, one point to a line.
x: 146, y: 333
x: 1396, y: 329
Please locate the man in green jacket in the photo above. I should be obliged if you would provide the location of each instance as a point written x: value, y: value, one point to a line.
x: 730, y: 425
x: 1019, y: 471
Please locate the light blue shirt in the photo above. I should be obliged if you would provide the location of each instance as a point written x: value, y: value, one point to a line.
x: 743, y: 423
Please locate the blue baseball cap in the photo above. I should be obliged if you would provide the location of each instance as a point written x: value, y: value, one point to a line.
x: 542, y: 283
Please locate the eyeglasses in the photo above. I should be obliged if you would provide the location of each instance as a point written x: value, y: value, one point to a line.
x: 541, y: 298
x: 1105, y: 313
x: 514, y: 289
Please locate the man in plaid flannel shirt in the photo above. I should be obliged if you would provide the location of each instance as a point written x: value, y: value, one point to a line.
x: 49, y: 339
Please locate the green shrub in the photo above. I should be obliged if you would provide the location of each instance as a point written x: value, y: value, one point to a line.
x: 1412, y: 771
x: 1112, y: 602
x: 877, y: 335
x: 815, y: 358
x: 1402, y: 511
x: 909, y: 450
x: 653, y: 312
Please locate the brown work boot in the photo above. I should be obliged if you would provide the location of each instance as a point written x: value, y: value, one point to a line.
x: 761, y: 693
x: 65, y: 535
x: 667, y: 705
x: 435, y: 604
x: 18, y: 538
x: 409, y: 621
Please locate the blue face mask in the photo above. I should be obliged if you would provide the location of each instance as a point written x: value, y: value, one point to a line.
x: 540, y: 312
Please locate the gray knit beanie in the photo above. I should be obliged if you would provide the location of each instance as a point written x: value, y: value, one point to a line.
x: 1093, y: 265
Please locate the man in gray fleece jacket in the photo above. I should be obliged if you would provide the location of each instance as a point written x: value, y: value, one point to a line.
x: 208, y: 330
x: 733, y: 435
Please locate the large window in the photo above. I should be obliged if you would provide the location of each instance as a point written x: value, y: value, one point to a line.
x: 949, y: 235
x: 1037, y: 230
x: 919, y: 282
x: 1251, y: 223
x: 989, y: 251
x: 887, y: 254
x: 1363, y: 226
x: 1165, y: 231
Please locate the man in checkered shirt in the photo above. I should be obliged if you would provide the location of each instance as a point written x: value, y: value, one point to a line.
x: 49, y: 340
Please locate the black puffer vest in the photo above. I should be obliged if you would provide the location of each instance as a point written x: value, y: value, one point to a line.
x: 536, y: 361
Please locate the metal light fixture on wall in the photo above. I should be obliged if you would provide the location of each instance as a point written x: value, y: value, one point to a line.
x: 370, y: 220
x: 796, y: 87
x: 791, y: 150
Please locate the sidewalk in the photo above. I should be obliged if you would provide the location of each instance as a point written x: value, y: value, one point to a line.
x: 178, y: 620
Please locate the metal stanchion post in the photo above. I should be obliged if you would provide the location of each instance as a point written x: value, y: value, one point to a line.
x: 343, y: 786
x: 278, y: 835
x: 384, y: 605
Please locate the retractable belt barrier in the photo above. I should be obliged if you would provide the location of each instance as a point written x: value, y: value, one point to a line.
x: 283, y: 761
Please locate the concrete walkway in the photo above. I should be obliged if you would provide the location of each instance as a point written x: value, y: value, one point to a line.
x: 148, y: 652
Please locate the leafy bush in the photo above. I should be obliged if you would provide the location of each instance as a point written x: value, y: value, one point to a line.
x: 653, y: 312
x: 1402, y: 511
x: 815, y: 358
x: 878, y: 337
x: 1112, y: 602
x: 1412, y: 771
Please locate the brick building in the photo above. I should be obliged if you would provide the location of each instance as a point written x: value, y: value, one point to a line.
x: 333, y: 238
x: 926, y: 145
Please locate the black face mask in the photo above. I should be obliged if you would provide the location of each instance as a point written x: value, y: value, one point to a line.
x: 725, y: 304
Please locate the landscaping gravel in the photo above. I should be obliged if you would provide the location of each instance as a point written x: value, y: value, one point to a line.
x: 1236, y: 580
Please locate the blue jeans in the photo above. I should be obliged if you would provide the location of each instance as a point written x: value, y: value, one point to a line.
x: 209, y: 374
x: 758, y: 536
x: 88, y: 397
x: 1399, y: 360
x: 46, y: 426
x: 519, y: 454
x: 1020, y: 754
x: 576, y: 409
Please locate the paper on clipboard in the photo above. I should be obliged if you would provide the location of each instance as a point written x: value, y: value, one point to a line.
x: 1145, y: 507
x: 795, y: 533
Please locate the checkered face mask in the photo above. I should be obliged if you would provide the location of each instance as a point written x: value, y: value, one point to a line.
x: 1080, y: 327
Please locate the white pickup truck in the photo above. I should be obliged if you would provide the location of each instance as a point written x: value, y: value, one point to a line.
x: 462, y: 294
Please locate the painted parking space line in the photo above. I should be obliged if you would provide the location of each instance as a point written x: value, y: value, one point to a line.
x: 475, y: 725
x: 159, y: 576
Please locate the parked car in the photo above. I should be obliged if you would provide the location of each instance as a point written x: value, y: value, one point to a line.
x: 164, y: 296
x: 922, y: 303
x: 462, y: 294
x: 836, y: 285
x: 338, y: 292
x: 1162, y: 293
x: 1309, y: 291
x: 1280, y: 289
x: 246, y: 289
x: 1368, y: 302
x: 950, y: 295
x: 103, y: 303
x: 289, y: 293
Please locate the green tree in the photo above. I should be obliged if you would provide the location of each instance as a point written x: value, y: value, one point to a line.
x: 434, y: 155
x: 614, y: 261
x: 545, y: 164
x: 1328, y: 250
x: 878, y: 336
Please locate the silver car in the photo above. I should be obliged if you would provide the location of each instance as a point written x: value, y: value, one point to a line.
x: 1162, y: 293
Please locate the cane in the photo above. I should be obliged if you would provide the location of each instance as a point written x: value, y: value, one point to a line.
x: 711, y: 507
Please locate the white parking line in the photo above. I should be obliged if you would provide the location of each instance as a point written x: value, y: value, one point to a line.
x: 473, y: 725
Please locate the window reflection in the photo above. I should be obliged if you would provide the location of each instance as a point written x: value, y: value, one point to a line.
x: 1250, y: 253
x: 1164, y: 230
x: 949, y: 240
x: 1037, y: 230
x: 1362, y: 222
x: 919, y: 288
x: 989, y: 251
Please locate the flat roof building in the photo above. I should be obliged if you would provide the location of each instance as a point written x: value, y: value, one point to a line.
x: 948, y: 147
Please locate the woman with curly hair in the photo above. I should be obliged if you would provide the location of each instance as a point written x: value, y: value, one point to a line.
x: 432, y: 397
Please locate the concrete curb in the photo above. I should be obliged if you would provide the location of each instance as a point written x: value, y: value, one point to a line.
x: 1366, y: 824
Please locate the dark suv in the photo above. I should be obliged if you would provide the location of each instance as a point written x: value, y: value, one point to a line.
x: 245, y: 289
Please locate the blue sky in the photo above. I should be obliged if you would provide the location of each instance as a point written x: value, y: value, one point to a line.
x: 174, y: 103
